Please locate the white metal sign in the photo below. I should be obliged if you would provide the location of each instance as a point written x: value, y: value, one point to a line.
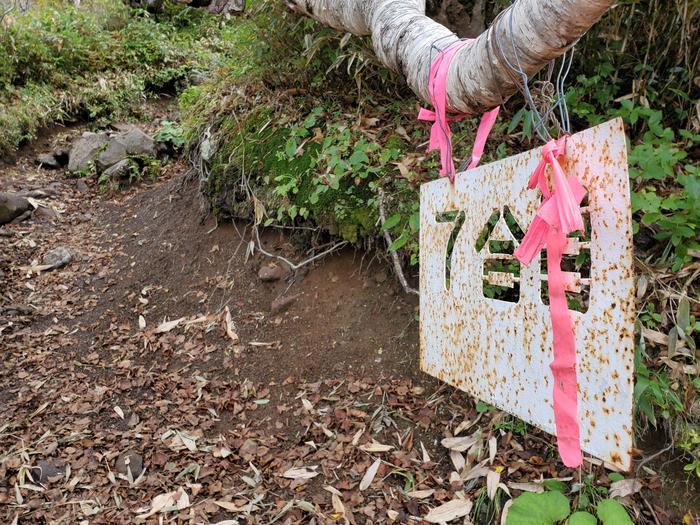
x: 485, y: 325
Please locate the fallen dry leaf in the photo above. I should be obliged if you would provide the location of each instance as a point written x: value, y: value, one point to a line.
x: 460, y: 444
x: 166, y: 326
x: 229, y: 326
x: 301, y: 472
x: 624, y: 487
x: 368, y: 478
x: 457, y: 508
x: 375, y: 447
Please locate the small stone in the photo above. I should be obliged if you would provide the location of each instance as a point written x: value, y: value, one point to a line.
x: 82, y: 186
x: 58, y: 257
x: 118, y: 170
x: 46, y: 471
x: 48, y: 161
x: 282, y: 303
x: 130, y: 460
x: 271, y: 272
x: 12, y: 206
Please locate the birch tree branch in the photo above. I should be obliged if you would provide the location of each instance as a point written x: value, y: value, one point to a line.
x: 538, y: 31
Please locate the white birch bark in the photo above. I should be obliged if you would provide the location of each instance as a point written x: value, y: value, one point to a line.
x: 403, y: 38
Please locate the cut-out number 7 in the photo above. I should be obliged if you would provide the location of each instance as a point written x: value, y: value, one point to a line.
x: 457, y: 217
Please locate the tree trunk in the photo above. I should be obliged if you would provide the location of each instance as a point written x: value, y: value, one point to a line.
x: 479, y: 79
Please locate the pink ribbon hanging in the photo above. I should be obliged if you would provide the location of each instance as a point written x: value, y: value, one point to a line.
x: 440, y: 133
x: 558, y: 215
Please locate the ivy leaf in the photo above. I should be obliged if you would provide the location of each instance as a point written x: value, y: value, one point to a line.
x: 582, y: 518
x: 545, y: 508
x: 611, y: 512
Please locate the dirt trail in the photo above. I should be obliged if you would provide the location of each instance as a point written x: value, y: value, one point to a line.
x: 212, y: 423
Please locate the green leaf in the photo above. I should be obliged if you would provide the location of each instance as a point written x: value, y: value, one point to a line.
x: 611, y: 512
x: 683, y: 314
x: 391, y: 221
x: 399, y: 243
x: 582, y: 518
x: 554, y: 484
x: 414, y: 222
x: 615, y: 476
x: 545, y: 508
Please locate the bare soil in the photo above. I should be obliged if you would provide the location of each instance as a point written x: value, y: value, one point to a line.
x: 217, y: 410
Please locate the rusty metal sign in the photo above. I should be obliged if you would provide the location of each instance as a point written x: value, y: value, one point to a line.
x: 485, y: 324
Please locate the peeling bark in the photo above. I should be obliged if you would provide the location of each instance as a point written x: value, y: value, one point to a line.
x: 403, y: 38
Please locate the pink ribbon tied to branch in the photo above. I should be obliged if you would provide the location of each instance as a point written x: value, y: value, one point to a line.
x: 440, y: 133
x: 558, y: 215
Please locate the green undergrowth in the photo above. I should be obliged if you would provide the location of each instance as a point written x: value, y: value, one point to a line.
x: 302, y: 128
x: 97, y: 62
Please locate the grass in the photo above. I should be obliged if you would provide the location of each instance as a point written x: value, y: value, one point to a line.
x: 97, y: 62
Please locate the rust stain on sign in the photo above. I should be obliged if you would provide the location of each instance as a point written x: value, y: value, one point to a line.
x: 485, y: 327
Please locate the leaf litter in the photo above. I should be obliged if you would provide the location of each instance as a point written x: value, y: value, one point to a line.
x: 89, y: 373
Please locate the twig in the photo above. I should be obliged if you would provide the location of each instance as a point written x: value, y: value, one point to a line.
x: 653, y: 456
x: 295, y: 266
x: 651, y: 509
x: 389, y: 242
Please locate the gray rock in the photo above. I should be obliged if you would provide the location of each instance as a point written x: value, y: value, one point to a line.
x: 271, y: 272
x: 46, y: 213
x: 137, y: 142
x: 114, y: 152
x: 12, y: 206
x: 118, y: 170
x: 85, y: 150
x: 26, y: 215
x: 46, y: 471
x: 40, y: 193
x: 130, y: 460
x: 58, y: 257
x: 82, y: 186
x: 48, y: 161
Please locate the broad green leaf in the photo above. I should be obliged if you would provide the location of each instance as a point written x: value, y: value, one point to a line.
x: 399, y: 243
x: 582, y: 518
x: 414, y: 222
x: 555, y: 484
x: 611, y: 512
x: 545, y: 508
x: 391, y: 221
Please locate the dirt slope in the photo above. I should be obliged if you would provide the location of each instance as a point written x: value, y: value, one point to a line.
x: 215, y: 415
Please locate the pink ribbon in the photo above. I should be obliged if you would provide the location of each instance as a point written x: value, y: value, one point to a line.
x: 440, y: 133
x: 558, y: 215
